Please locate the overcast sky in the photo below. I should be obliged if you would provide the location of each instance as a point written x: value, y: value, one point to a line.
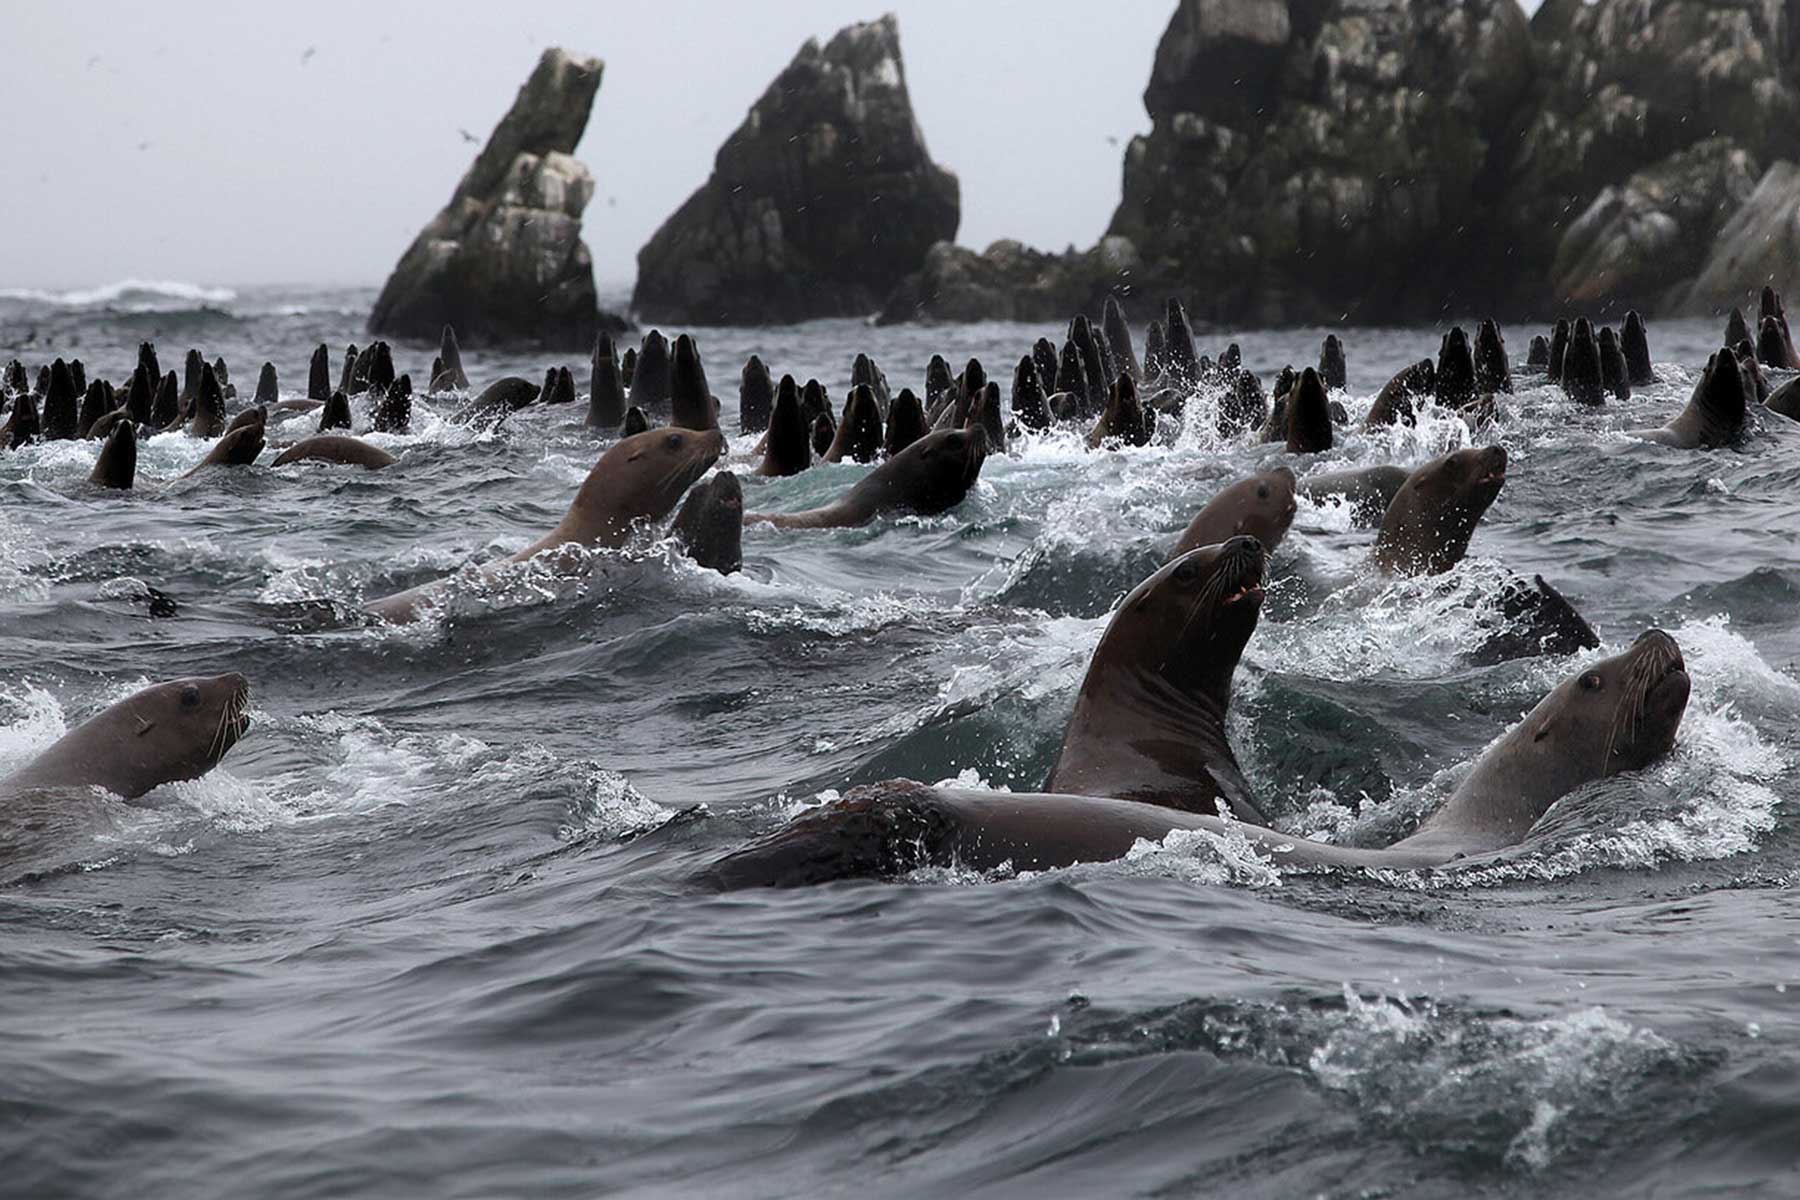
x: 240, y: 143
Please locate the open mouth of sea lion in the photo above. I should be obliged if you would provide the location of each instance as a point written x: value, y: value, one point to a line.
x: 1243, y: 572
x: 1656, y: 687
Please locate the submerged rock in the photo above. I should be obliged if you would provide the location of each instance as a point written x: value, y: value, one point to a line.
x: 819, y: 202
x: 504, y: 260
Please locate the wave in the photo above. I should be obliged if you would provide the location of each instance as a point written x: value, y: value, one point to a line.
x: 135, y: 293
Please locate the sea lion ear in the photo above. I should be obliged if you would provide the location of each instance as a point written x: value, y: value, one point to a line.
x: 143, y: 725
x: 1543, y: 731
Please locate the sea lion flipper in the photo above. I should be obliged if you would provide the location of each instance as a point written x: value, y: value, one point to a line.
x: 1234, y: 789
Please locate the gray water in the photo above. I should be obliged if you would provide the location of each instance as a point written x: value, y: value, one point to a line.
x: 427, y: 930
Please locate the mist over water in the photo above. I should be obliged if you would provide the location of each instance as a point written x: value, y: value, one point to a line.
x: 428, y: 929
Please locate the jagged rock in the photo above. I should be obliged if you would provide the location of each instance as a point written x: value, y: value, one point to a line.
x: 1011, y: 282
x: 1309, y: 161
x: 504, y: 260
x: 1642, y: 238
x: 1759, y: 245
x: 818, y: 204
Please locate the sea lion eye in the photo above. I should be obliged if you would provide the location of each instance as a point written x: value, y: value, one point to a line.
x: 673, y: 441
x: 1591, y: 682
x: 1186, y: 572
x: 1262, y: 491
x: 190, y: 696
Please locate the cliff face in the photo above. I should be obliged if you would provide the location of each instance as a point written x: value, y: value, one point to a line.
x: 504, y: 261
x: 819, y: 203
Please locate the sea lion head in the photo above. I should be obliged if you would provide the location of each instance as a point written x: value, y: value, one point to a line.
x: 934, y: 473
x: 1428, y: 525
x: 1190, y: 621
x: 167, y: 732
x: 1619, y: 714
x: 659, y: 466
x: 1261, y: 506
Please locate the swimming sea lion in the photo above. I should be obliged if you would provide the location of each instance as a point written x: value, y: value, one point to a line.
x: 166, y: 733
x: 650, y: 380
x: 1308, y: 415
x: 1367, y: 490
x: 1559, y: 346
x: 756, y: 396
x: 868, y: 372
x: 928, y: 477
x: 559, y: 387
x: 1124, y: 420
x: 1071, y: 378
x: 1537, y: 355
x: 1149, y: 721
x: 1771, y: 346
x: 1043, y: 355
x: 498, y: 399
x: 940, y: 386
x: 905, y: 423
x: 336, y: 448
x: 635, y: 422
x: 237, y: 446
x: 1332, y: 368
x: 451, y: 353
x: 858, y: 435
x: 376, y: 368
x: 23, y: 425
x: 1581, y: 374
x: 13, y: 380
x: 208, y: 417
x: 1493, y: 371
x: 640, y: 478
x: 1427, y: 527
x: 606, y: 387
x: 1243, y: 406
x: 268, y: 387
x: 1786, y: 400
x: 1118, y: 336
x: 690, y: 398
x: 94, y: 405
x: 1615, y: 377
x: 1756, y: 384
x: 1180, y: 359
x: 1635, y: 341
x: 1455, y: 369
x: 710, y: 526
x: 1395, y: 404
x: 1774, y: 308
x: 628, y: 366
x: 1028, y: 400
x: 190, y: 375
x: 1736, y: 329
x: 824, y: 432
x: 344, y: 380
x: 1155, y: 349
x: 1098, y: 376
x: 393, y: 412
x: 336, y: 413
x: 117, y: 465
x: 1715, y: 413
x: 61, y: 416
x: 1261, y: 506
x: 318, y: 374
x: 165, y: 407
x: 984, y: 414
x: 787, y: 447
x: 1539, y: 620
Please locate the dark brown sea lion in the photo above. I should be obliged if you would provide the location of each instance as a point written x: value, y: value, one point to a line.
x: 1155, y: 350
x: 166, y: 733
x: 1367, y: 490
x: 1029, y: 404
x: 866, y: 371
x: 628, y: 366
x: 1786, y: 400
x: 95, y: 404
x: 984, y: 414
x: 756, y: 396
x: 336, y: 448
x: 1123, y: 422
x: 640, y: 478
x: 1771, y: 344
x: 1072, y: 380
x: 1261, y: 506
x: 1582, y: 375
x: 450, y: 353
x: 349, y: 372
x: 1774, y: 309
x: 1635, y: 341
x: 60, y: 417
x: 1736, y: 328
x: 1149, y: 721
x: 690, y: 397
x: 1243, y: 406
x: 1559, y: 346
x: 165, y: 407
x: 858, y: 435
x: 208, y: 417
x: 606, y: 387
x: 1426, y: 530
x: 1756, y: 384
x: 1617, y: 715
x: 940, y: 386
x: 1396, y: 402
x: 1455, y: 370
x: 1615, y: 377
x: 1715, y: 414
x: 824, y: 432
x: 1098, y: 376
x: 1118, y: 336
x: 318, y: 374
x: 117, y: 465
x: 1180, y: 359
x: 650, y: 380
x: 393, y: 412
x: 239, y: 445
x: 905, y: 423
x: 928, y: 477
x: 1493, y: 370
x: 1539, y: 621
x: 710, y: 526
x: 335, y: 414
x: 1537, y: 355
x: 268, y: 386
x: 1308, y: 416
x: 22, y: 425
x: 635, y: 422
x: 787, y: 447
x: 497, y: 400
x: 1332, y: 368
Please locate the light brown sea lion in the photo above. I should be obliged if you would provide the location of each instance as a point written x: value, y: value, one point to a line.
x: 1620, y: 714
x: 165, y: 733
x: 1427, y: 528
x: 1368, y: 491
x: 1149, y: 721
x: 336, y: 448
x: 930, y: 476
x: 858, y: 435
x: 239, y: 445
x: 640, y: 478
x: 1261, y: 506
x: 1715, y: 413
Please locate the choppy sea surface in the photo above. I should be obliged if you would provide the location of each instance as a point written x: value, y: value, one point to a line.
x: 428, y: 929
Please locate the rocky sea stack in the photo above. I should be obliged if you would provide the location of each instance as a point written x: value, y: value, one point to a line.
x: 504, y: 261
x: 819, y: 203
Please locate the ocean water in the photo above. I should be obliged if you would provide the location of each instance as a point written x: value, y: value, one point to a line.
x: 428, y: 930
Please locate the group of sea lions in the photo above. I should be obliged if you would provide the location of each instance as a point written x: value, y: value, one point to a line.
x: 1146, y: 750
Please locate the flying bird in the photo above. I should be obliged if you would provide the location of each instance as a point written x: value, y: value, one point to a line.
x: 467, y: 136
x: 306, y: 54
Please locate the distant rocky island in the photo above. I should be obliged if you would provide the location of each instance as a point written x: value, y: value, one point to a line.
x: 1309, y: 161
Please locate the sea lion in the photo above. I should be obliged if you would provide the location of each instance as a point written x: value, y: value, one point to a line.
x: 928, y: 477
x: 649, y: 386
x: 375, y: 369
x: 1260, y: 506
x: 1367, y: 490
x: 165, y: 407
x: 787, y: 447
x: 710, y: 526
x: 1537, y: 355
x: 606, y: 387
x: 336, y: 413
x: 1615, y: 377
x: 1771, y: 345
x: 1071, y: 378
x: 1029, y: 404
x: 268, y: 387
x: 1123, y: 422
x: 1308, y: 416
x: 559, y: 386
x: 635, y: 422
x: 1243, y: 405
x: 61, y: 413
x: 1155, y: 350
x: 117, y: 465
x: 1736, y: 329
x: 815, y: 400
x: 1559, y: 346
x: 140, y: 395
x: 393, y: 412
x: 497, y: 400
x: 450, y: 351
x: 905, y: 423
x: 1149, y: 721
x: 1756, y: 384
x: 1773, y: 308
x: 95, y: 404
x: 940, y: 386
x: 344, y: 380
x: 1539, y: 620
x: 1581, y: 374
x: 858, y: 435
x: 208, y: 417
x: 1118, y: 335
x: 628, y: 366
x: 191, y: 366
x: 1786, y: 400
x: 1455, y: 369
x: 318, y: 374
x: 1180, y: 359
x: 1715, y: 413
x: 15, y: 382
x: 1427, y: 527
x: 238, y: 445
x: 1333, y: 370
x: 222, y: 373
x: 163, y: 734
x: 640, y: 478
x: 102, y: 429
x: 23, y: 425
x: 1098, y: 377
x: 690, y: 398
x: 336, y: 448
x: 1395, y: 403
x: 1493, y: 370
x: 985, y: 415
x: 1616, y: 715
x: 756, y: 396
x: 824, y: 432
x: 1635, y: 341
x: 868, y: 372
